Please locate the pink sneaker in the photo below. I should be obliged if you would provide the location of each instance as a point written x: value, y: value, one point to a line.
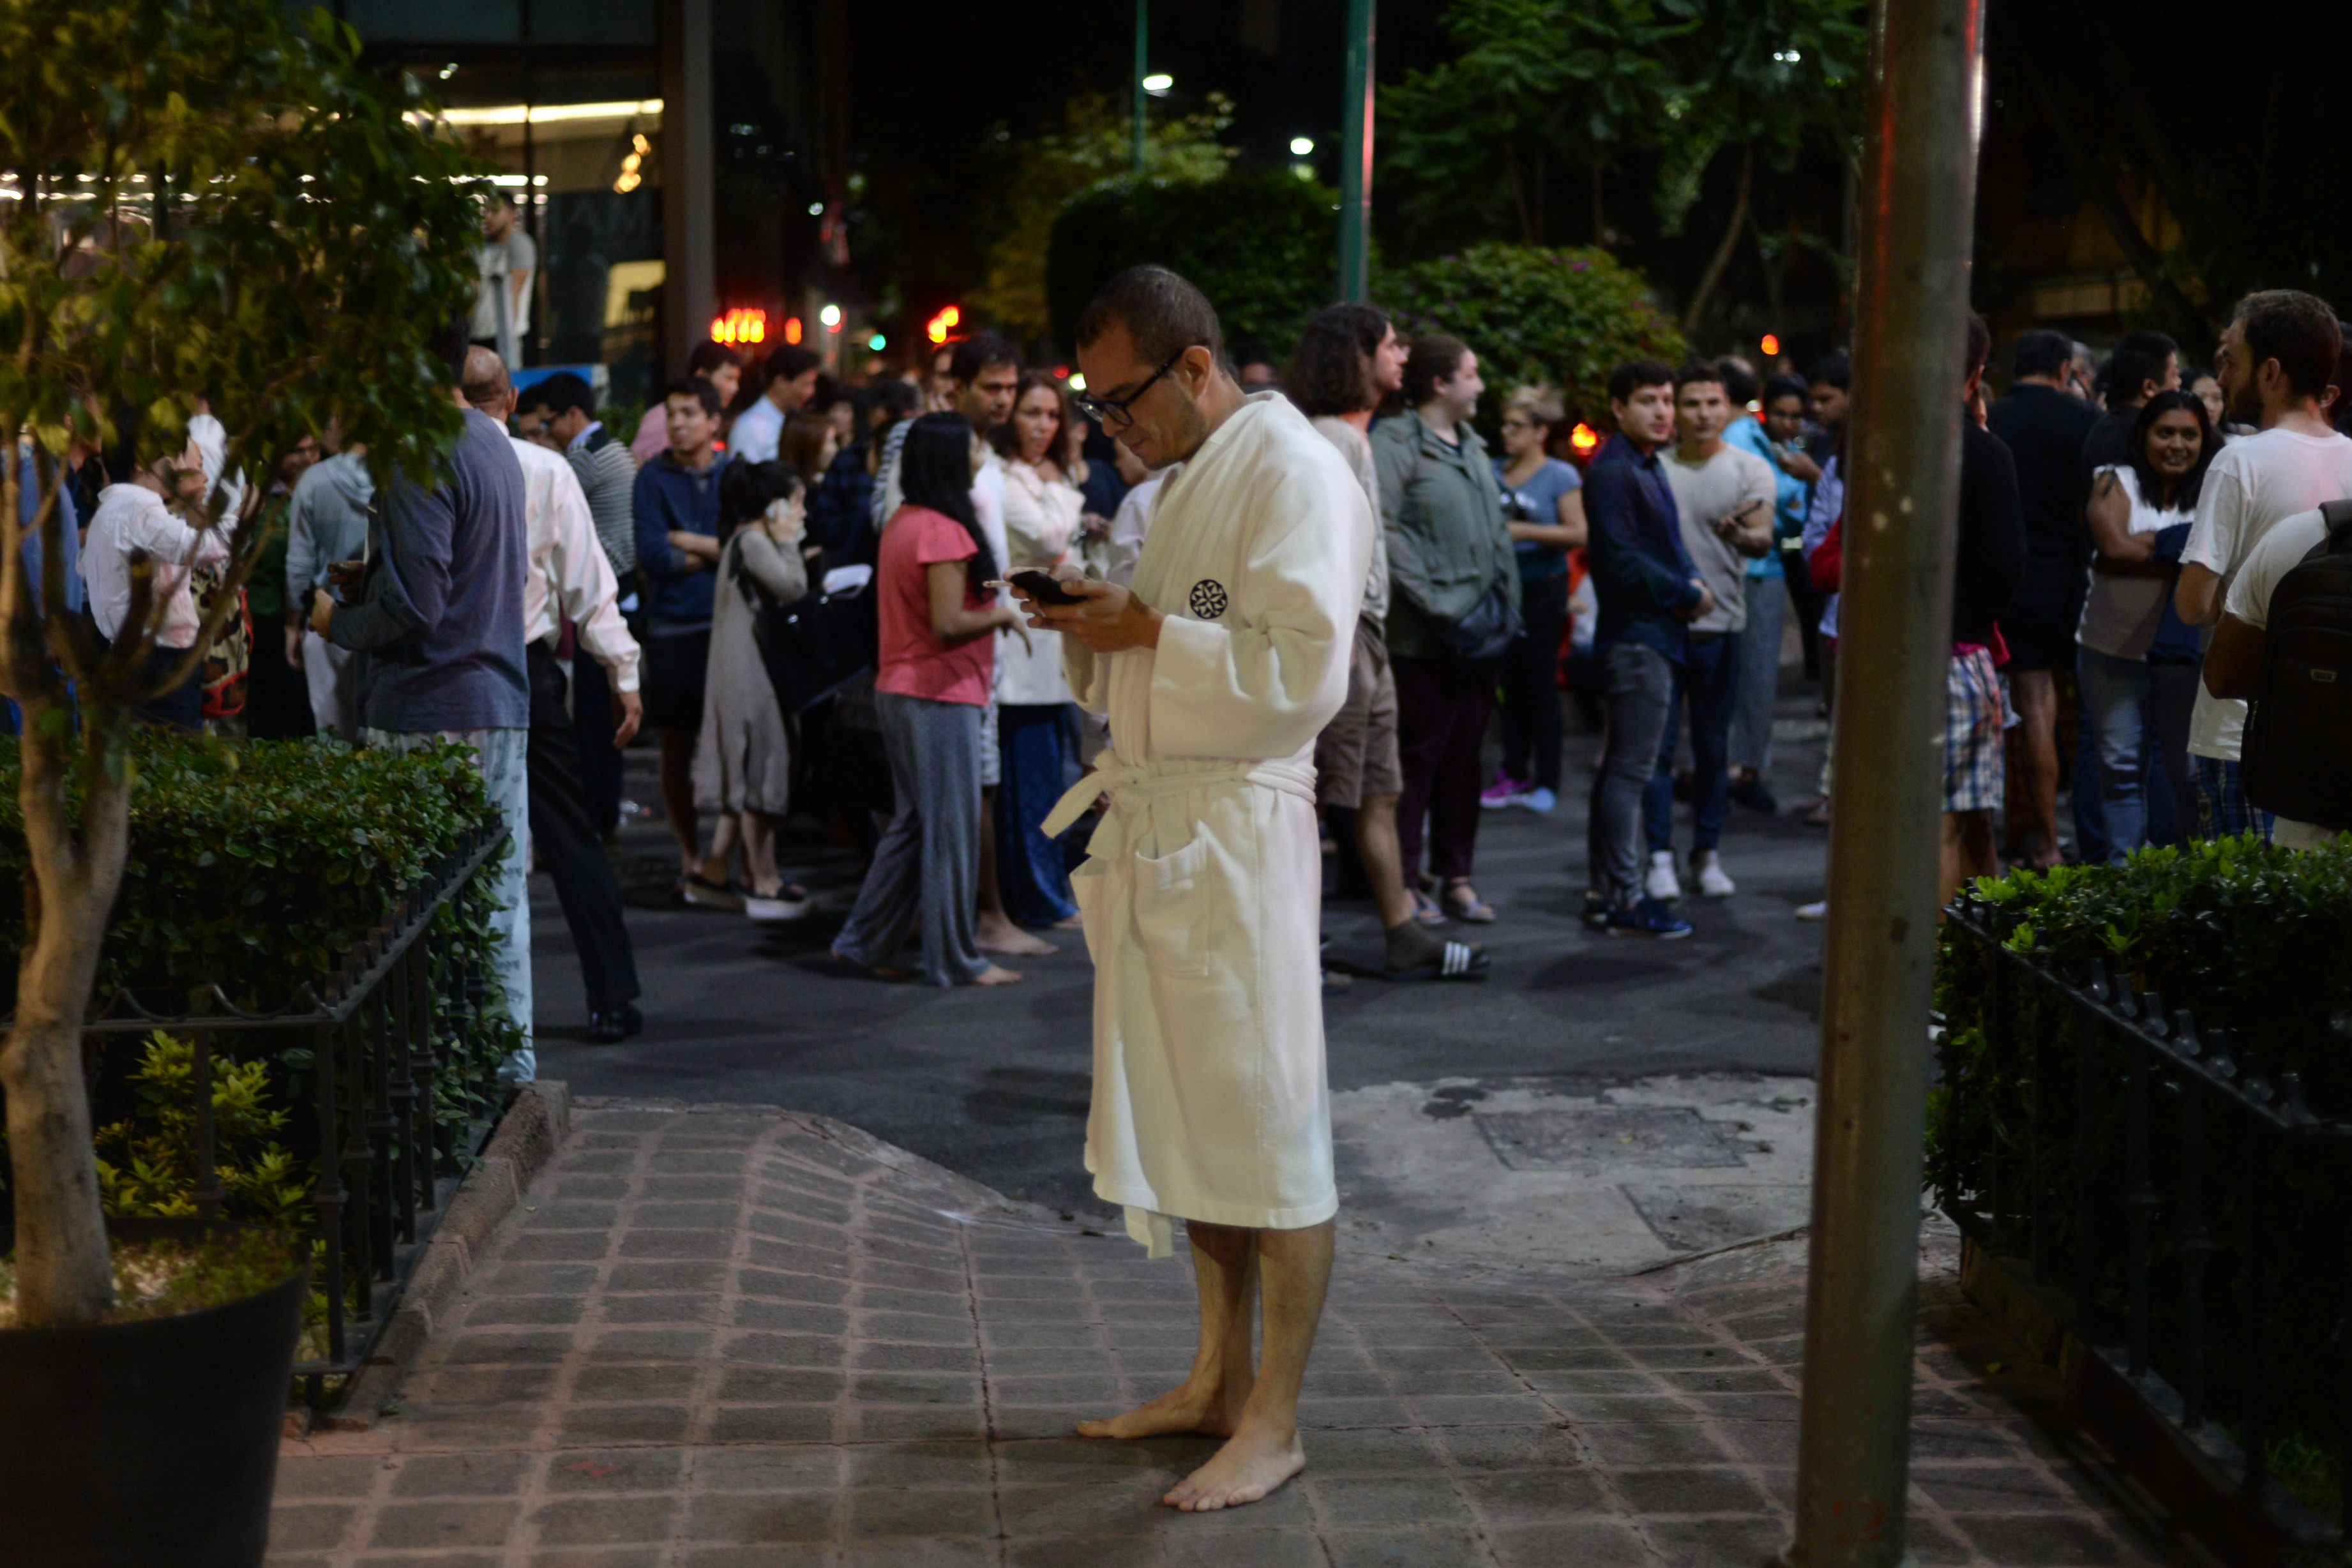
x: 1505, y: 791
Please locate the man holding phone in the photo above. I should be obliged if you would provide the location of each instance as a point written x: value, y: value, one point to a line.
x: 1202, y: 889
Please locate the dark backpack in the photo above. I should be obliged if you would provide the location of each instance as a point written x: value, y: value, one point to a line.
x: 2298, y: 748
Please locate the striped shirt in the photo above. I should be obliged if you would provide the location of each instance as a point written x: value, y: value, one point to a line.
x: 608, y: 475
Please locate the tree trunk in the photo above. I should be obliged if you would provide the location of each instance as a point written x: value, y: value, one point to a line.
x: 1519, y: 191
x: 64, y: 1274
x: 1721, y: 261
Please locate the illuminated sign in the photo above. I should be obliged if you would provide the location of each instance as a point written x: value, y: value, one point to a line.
x: 741, y: 326
x: 792, y: 328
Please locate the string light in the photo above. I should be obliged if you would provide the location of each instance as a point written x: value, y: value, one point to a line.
x: 1771, y: 345
x: 632, y: 165
x: 1584, y: 438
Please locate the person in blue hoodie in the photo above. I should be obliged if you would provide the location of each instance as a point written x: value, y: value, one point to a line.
x: 326, y: 522
x: 677, y: 504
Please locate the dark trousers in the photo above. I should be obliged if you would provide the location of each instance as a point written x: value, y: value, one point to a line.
x: 595, y: 716
x: 1442, y: 711
x: 1641, y: 695
x: 1531, y: 682
x: 276, y: 697
x: 181, y: 707
x: 1705, y: 683
x: 567, y: 843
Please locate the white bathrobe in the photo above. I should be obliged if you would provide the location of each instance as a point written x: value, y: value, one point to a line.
x: 1203, y: 890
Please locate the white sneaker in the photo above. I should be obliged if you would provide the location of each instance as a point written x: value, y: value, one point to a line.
x: 1708, y: 870
x: 1661, y: 884
x: 1814, y: 911
x: 767, y: 909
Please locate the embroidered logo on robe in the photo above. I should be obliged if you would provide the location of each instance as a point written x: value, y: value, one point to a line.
x: 1208, y: 599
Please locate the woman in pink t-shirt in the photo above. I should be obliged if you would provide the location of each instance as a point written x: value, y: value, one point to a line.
x: 937, y: 653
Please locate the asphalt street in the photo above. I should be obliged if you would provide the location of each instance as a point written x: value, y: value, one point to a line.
x: 993, y: 1084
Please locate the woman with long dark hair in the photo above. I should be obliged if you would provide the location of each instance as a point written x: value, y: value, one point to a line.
x: 2137, y: 660
x: 1037, y: 723
x: 938, y: 653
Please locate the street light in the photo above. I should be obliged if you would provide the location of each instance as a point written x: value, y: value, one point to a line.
x: 1158, y: 82
x: 830, y: 317
x: 1302, y: 146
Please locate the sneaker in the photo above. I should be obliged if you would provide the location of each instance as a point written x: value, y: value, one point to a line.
x: 1596, y: 911
x: 709, y: 895
x: 1754, y: 793
x: 1505, y: 791
x: 1661, y: 884
x: 789, y: 903
x: 1814, y: 911
x: 1648, y: 917
x: 1540, y: 801
x: 1708, y: 870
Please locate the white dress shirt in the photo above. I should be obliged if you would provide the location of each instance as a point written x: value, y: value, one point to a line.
x: 133, y: 517
x: 568, y: 570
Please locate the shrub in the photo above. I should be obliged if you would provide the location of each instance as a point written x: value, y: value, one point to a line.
x: 1530, y: 314
x: 2246, y: 936
x: 1265, y: 248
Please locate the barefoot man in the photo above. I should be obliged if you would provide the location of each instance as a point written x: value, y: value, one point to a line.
x: 1203, y: 889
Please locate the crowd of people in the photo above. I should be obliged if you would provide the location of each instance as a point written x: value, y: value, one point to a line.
x: 568, y: 582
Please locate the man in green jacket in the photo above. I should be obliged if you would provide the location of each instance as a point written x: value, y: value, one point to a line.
x: 1453, y: 608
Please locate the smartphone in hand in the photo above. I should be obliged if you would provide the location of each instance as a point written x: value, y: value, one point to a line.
x: 1040, y: 586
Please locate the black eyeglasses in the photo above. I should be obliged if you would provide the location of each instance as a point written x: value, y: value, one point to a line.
x: 1112, y: 412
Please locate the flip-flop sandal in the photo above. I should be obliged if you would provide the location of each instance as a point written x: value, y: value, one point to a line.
x: 1455, y: 961
x: 1425, y: 910
x: 1466, y: 906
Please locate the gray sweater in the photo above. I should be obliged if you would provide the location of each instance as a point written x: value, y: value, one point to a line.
x: 442, y: 615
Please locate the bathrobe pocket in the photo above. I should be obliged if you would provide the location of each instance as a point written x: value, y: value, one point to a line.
x: 1172, y: 908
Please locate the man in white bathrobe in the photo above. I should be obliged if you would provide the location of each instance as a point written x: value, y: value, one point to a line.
x: 1203, y: 890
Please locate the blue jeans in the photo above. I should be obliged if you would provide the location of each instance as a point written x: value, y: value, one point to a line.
x: 2130, y: 711
x: 1707, y: 681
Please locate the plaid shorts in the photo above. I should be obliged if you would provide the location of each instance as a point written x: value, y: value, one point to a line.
x: 1976, y: 714
x: 2222, y: 809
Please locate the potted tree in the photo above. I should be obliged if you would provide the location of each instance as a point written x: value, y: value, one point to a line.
x: 199, y: 199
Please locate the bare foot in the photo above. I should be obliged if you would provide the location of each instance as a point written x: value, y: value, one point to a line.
x: 1247, y: 1468
x: 994, y: 933
x: 994, y: 976
x: 1183, y: 1408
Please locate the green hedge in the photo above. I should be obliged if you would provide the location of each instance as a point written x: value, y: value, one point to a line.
x: 2250, y: 938
x: 254, y: 864
x: 1563, y: 317
x: 1265, y: 248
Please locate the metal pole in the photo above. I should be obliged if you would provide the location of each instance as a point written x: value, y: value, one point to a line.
x: 1903, y: 485
x: 1142, y: 54
x: 1356, y: 156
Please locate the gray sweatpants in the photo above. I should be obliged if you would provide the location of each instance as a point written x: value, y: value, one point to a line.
x: 1640, y: 694
x: 927, y: 862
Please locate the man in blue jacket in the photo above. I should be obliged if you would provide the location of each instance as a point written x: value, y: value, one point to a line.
x: 677, y: 505
x: 439, y: 614
x: 1649, y: 593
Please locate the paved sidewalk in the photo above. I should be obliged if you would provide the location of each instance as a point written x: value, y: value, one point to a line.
x: 734, y: 1335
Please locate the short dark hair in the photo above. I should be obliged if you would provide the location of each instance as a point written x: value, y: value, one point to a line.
x: 1330, y: 365
x: 698, y: 387
x: 1980, y: 346
x: 1164, y: 313
x: 2041, y: 352
x: 790, y: 363
x: 1694, y: 373
x: 2296, y: 329
x: 977, y: 352
x: 704, y: 358
x: 1739, y: 380
x: 2138, y: 359
x: 747, y: 489
x: 1784, y: 386
x: 1434, y: 357
x: 559, y: 394
x: 1831, y: 370
x: 1636, y: 373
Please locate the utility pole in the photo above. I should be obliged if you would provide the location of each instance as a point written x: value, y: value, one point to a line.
x: 1356, y: 156
x: 1918, y: 195
x: 1142, y: 55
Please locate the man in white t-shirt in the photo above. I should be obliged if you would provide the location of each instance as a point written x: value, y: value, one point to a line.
x: 2275, y: 362
x: 2233, y: 664
x: 1722, y: 497
x: 508, y: 259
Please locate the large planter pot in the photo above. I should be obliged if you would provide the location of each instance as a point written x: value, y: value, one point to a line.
x: 147, y: 1445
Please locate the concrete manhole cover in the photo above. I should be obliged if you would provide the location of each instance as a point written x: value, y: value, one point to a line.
x: 1670, y: 1136
x: 1693, y: 1219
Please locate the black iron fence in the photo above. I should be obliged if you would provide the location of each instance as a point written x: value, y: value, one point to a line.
x: 391, y: 1106
x: 2149, y: 1165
